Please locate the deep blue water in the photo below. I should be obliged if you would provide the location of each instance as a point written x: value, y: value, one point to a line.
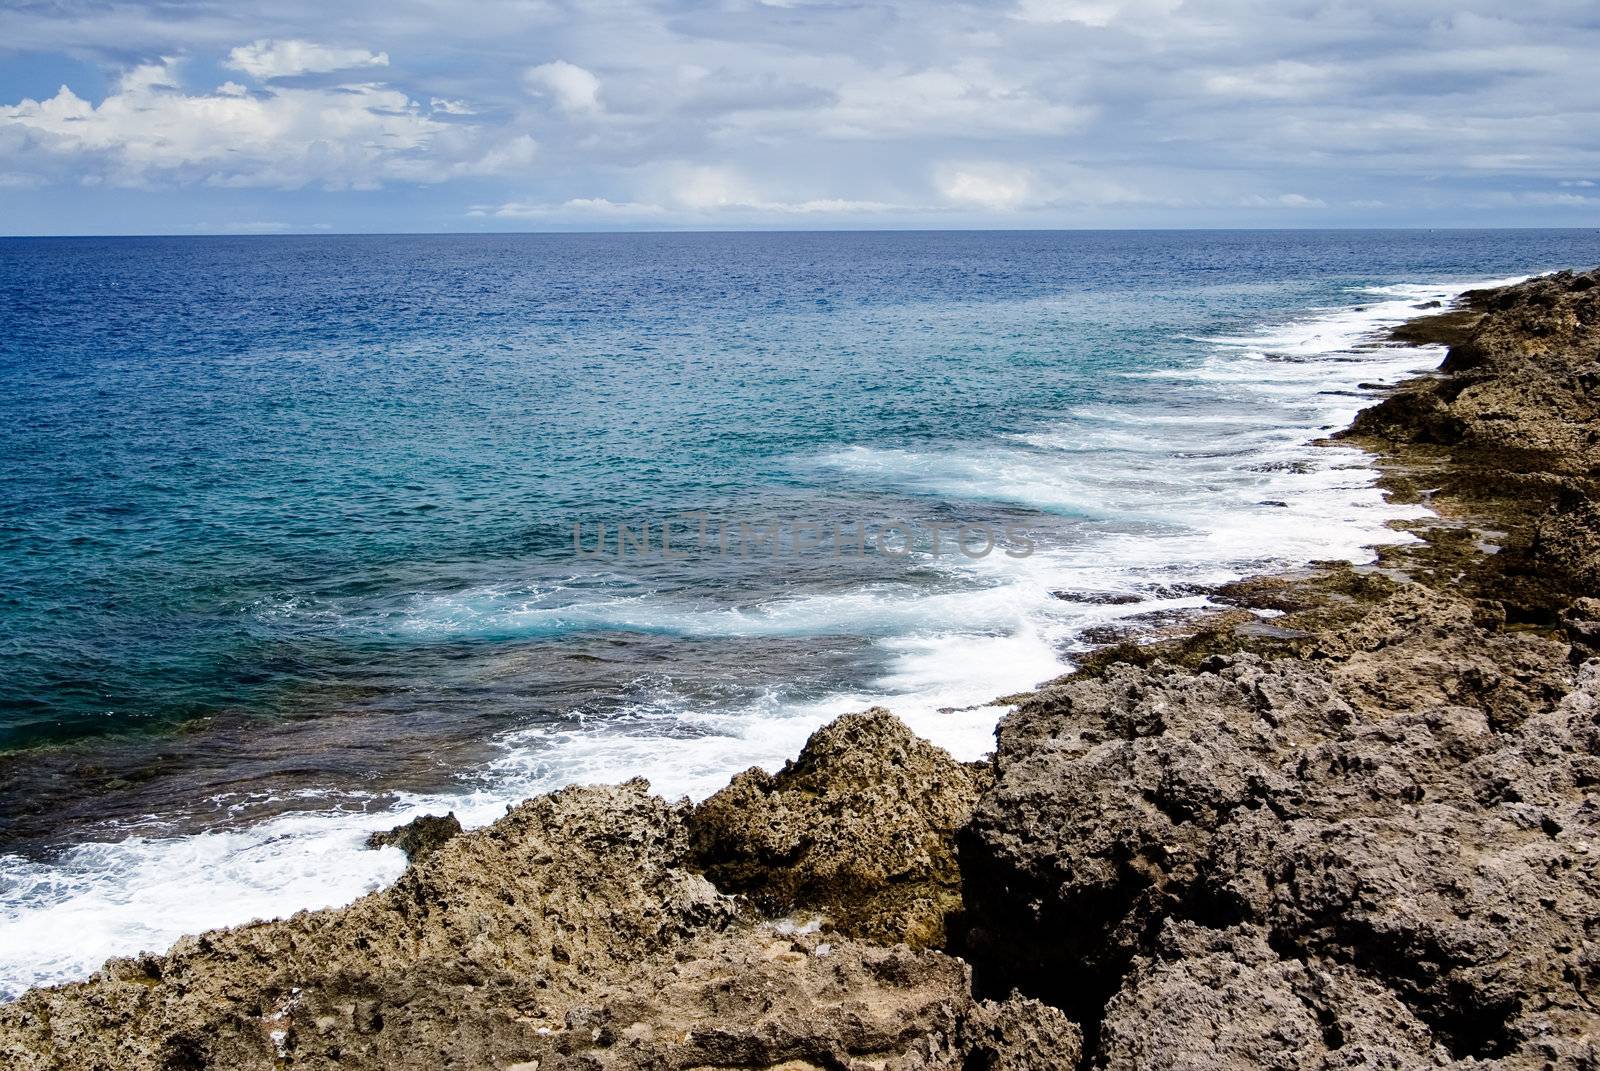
x: 286, y: 523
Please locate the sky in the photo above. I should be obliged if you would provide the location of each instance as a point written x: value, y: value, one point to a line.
x: 183, y: 117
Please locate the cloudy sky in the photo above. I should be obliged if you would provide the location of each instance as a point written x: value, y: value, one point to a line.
x: 185, y: 116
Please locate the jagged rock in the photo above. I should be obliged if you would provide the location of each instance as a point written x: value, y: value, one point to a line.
x: 571, y: 934
x: 1513, y: 399
x: 1566, y: 542
x: 1405, y: 807
x: 859, y: 827
x: 1019, y: 1034
x: 1581, y: 622
x: 521, y: 915
x: 1224, y: 999
x: 419, y: 837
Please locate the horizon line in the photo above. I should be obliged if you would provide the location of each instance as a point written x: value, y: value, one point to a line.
x: 619, y: 232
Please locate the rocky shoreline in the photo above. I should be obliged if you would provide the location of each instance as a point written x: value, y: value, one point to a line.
x: 1365, y: 833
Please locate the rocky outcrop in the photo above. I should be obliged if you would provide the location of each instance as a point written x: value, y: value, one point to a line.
x: 484, y: 940
x: 574, y: 933
x: 1516, y: 411
x: 860, y: 828
x: 420, y: 836
x: 1393, y: 836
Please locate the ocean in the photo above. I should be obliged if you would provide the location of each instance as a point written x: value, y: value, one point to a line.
x: 299, y: 536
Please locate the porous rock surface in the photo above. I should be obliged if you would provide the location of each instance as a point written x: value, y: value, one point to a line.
x: 572, y: 933
x: 420, y: 836
x: 859, y: 828
x: 1387, y: 846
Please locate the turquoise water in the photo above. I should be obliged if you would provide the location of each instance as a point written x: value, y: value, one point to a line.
x: 311, y: 501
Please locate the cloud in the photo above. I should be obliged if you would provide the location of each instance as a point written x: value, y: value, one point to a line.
x: 1282, y: 200
x: 1096, y: 13
x: 968, y: 99
x: 687, y: 193
x: 573, y: 210
x: 260, y: 227
x: 576, y: 91
x: 996, y: 187
x: 268, y: 59
x: 1546, y: 199
x: 600, y: 210
x: 147, y: 129
x: 1282, y: 80
x: 1082, y: 112
x: 708, y: 189
x: 708, y: 186
x: 1052, y: 185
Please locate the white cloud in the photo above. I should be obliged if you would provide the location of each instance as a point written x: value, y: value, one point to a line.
x: 1282, y: 200
x: 995, y: 187
x: 575, y: 210
x: 1004, y: 187
x: 1096, y: 13
x: 347, y: 136
x: 1170, y: 113
x: 1283, y: 80
x: 576, y: 90
x: 267, y: 59
x: 602, y: 210
x: 707, y: 189
x: 1546, y: 199
x: 968, y: 99
x: 707, y: 186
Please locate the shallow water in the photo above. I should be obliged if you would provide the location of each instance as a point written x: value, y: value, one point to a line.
x: 312, y: 500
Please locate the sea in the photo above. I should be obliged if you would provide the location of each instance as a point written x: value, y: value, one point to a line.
x: 301, y: 537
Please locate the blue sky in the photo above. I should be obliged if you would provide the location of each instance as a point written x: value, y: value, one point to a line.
x: 426, y: 115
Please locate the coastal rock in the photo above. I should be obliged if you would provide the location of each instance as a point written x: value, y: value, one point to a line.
x: 1019, y: 1034
x: 419, y: 837
x: 1581, y: 621
x: 1566, y: 542
x: 571, y: 935
x: 859, y: 828
x: 1397, y: 821
x: 1206, y: 998
x: 564, y: 888
x: 1514, y: 398
x: 754, y: 999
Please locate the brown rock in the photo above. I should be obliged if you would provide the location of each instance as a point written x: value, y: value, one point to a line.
x: 859, y: 827
x: 418, y: 837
